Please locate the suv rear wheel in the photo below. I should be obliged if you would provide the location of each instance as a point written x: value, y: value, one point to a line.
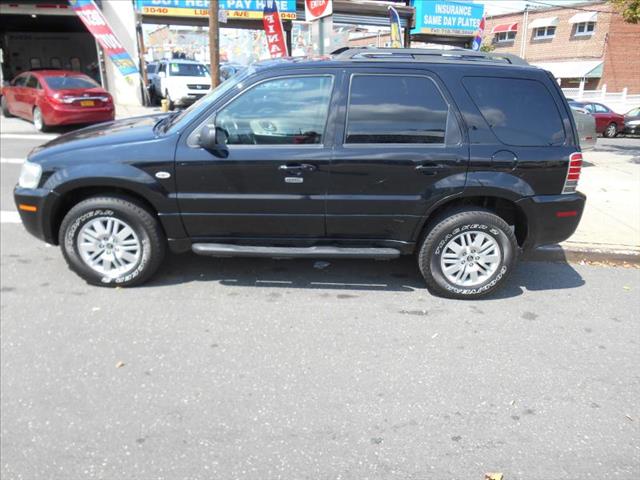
x: 467, y: 254
x: 112, y: 241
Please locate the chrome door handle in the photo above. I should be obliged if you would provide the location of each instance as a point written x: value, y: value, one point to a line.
x: 298, y: 167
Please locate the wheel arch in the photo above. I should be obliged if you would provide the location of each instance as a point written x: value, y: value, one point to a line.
x: 71, y: 197
x: 502, y: 205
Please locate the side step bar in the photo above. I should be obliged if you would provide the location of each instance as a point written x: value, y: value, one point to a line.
x: 231, y: 250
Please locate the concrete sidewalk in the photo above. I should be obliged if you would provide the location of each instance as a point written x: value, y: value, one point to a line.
x: 610, y: 225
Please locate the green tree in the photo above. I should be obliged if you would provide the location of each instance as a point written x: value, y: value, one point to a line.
x: 629, y: 9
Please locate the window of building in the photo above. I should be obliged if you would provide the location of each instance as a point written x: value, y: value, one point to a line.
x: 585, y: 28
x: 505, y: 37
x: 282, y: 111
x: 544, y: 32
x: 35, y: 62
x: 75, y: 63
x: 396, y: 109
x: 54, y: 62
x: 520, y: 112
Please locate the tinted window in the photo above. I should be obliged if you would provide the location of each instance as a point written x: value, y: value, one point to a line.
x: 32, y: 82
x: 63, y: 82
x: 520, y: 112
x: 282, y: 111
x: 395, y: 109
x: 188, y: 70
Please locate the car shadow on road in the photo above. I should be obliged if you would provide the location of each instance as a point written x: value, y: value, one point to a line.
x: 400, y: 275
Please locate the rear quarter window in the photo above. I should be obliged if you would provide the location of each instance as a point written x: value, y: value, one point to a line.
x: 520, y: 112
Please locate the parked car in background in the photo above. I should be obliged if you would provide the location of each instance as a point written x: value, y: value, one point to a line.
x: 632, y: 121
x: 182, y: 82
x: 56, y: 97
x: 586, y: 124
x: 608, y: 122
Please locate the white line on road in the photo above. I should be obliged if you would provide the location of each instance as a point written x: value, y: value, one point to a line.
x: 27, y: 136
x: 18, y: 161
x: 7, y: 216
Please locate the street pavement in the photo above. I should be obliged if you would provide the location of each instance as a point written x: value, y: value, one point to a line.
x: 263, y: 369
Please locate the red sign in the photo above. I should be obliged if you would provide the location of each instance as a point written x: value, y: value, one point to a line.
x: 315, y: 9
x: 95, y: 22
x: 275, y: 32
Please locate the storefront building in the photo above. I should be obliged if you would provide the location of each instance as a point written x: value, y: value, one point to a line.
x: 585, y: 46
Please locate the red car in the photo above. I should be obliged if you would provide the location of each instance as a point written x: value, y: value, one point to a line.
x: 56, y: 97
x: 608, y: 122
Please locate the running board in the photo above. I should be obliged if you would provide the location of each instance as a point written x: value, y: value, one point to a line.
x: 231, y: 250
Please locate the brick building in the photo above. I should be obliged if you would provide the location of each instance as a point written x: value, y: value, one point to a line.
x: 586, y: 45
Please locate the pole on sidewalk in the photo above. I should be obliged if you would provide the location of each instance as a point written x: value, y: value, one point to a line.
x: 214, y: 43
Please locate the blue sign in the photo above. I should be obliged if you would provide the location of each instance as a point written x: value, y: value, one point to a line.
x: 447, y: 18
x: 236, y: 9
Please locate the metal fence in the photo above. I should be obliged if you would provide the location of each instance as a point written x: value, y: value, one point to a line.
x: 620, y: 102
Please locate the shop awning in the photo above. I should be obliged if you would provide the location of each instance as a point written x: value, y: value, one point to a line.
x: 544, y: 22
x: 577, y: 69
x: 584, y: 17
x: 505, y: 27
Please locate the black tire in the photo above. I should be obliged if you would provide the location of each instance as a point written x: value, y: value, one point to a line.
x: 611, y: 131
x: 142, y: 222
x: 448, y: 227
x: 5, y: 107
x: 38, y: 120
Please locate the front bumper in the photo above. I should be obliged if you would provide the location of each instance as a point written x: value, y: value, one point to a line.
x: 632, y: 129
x: 39, y: 222
x: 189, y: 98
x: 551, y: 218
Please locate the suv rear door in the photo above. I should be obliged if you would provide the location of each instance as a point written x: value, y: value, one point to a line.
x: 271, y: 178
x: 399, y: 150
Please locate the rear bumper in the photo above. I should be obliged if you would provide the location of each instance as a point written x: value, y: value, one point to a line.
x: 551, y: 218
x: 38, y: 222
x: 66, y: 115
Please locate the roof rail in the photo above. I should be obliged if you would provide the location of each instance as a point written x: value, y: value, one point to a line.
x: 426, y: 55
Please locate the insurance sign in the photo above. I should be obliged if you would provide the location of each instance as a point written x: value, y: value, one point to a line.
x: 234, y: 9
x: 447, y: 18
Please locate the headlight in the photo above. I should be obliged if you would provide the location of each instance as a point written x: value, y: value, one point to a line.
x: 30, y: 175
x: 633, y: 123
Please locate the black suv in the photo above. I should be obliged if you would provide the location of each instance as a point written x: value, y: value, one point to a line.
x: 462, y: 158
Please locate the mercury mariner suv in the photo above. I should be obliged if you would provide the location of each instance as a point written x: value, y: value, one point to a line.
x: 463, y: 159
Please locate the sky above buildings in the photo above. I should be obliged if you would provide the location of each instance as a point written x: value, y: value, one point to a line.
x: 497, y: 7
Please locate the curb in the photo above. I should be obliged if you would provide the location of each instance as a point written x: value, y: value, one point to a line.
x: 576, y: 254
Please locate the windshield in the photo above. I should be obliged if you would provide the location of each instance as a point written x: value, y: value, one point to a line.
x: 188, y: 70
x: 185, y: 116
x: 61, y: 83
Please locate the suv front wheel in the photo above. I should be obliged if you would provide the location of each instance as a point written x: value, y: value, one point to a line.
x: 467, y: 254
x: 112, y: 241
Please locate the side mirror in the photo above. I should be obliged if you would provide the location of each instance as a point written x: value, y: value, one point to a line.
x: 214, y: 139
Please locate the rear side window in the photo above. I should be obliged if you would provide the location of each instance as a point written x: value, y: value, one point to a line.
x: 520, y: 112
x: 396, y: 109
x: 32, y: 82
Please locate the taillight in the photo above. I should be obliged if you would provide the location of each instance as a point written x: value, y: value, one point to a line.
x: 573, y: 173
x: 63, y: 98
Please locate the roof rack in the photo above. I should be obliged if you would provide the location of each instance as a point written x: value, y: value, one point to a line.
x: 426, y: 55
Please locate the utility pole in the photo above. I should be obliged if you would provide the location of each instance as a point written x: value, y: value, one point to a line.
x: 214, y: 42
x: 525, y: 26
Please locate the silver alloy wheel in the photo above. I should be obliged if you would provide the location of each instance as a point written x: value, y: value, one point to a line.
x: 37, y: 119
x: 470, y: 258
x: 109, y: 246
x: 611, y: 131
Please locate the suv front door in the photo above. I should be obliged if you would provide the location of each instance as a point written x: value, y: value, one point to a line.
x: 398, y: 151
x: 269, y: 179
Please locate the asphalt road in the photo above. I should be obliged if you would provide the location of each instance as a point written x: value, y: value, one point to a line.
x: 262, y: 369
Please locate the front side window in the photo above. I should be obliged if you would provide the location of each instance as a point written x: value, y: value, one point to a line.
x: 585, y: 28
x: 600, y: 108
x: 20, y: 81
x: 282, y: 111
x: 519, y: 111
x: 188, y: 70
x: 32, y: 82
x: 162, y: 68
x: 545, y: 32
x: 395, y: 109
